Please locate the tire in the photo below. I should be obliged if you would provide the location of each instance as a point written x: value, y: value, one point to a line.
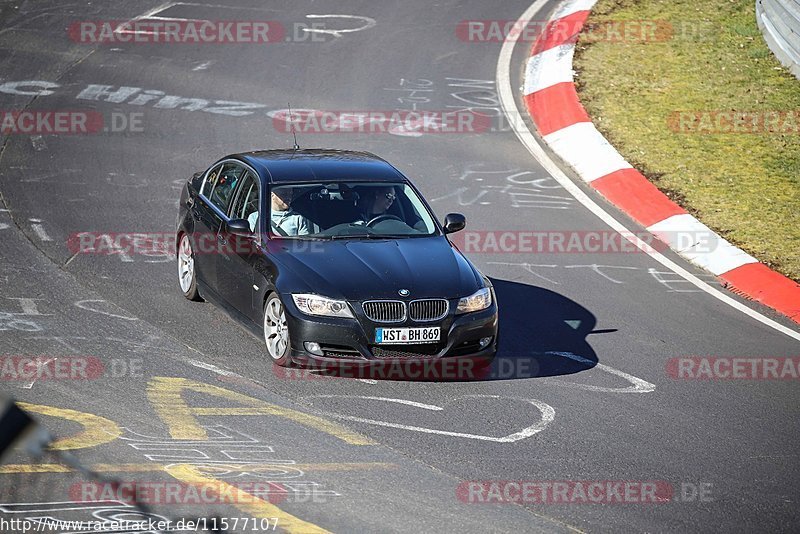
x: 187, y: 278
x: 276, y: 332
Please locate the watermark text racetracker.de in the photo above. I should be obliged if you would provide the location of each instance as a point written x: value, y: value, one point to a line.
x: 567, y: 30
x: 68, y: 122
x: 584, y: 492
x: 456, y: 369
x: 193, y: 32
x: 15, y: 368
x: 726, y: 368
x: 157, y: 247
x: 382, y: 121
x: 715, y: 122
x: 206, y: 493
x: 559, y: 241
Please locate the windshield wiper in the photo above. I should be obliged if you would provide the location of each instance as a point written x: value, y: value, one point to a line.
x: 361, y: 236
x: 347, y: 236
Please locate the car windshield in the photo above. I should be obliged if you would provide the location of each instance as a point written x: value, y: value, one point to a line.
x: 355, y: 210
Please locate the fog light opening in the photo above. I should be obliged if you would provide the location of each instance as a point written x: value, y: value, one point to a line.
x: 484, y: 342
x: 313, y: 348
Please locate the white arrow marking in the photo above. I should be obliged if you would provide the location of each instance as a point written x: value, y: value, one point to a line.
x: 639, y: 385
x: 547, y: 411
x: 387, y: 399
x: 369, y: 23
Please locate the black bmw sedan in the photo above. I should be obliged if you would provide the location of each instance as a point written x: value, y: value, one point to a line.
x: 330, y: 257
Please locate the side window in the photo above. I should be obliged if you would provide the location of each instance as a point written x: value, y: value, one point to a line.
x: 224, y: 185
x: 246, y: 204
x: 211, y: 181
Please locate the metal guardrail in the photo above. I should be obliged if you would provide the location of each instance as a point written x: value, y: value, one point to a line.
x: 779, y: 22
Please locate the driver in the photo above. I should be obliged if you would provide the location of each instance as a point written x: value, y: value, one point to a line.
x: 377, y: 202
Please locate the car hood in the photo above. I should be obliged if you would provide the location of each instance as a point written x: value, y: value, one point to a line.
x: 367, y: 269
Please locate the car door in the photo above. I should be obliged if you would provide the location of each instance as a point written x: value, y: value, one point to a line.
x: 215, y: 199
x: 204, y: 232
x: 235, y: 271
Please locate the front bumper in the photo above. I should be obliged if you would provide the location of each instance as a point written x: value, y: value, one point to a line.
x: 348, y: 343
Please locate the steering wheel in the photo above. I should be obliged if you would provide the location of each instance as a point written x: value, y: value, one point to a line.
x: 384, y: 217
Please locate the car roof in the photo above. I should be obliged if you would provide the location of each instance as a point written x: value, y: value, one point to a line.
x: 320, y: 165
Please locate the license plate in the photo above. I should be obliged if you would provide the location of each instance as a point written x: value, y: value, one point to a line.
x: 406, y: 336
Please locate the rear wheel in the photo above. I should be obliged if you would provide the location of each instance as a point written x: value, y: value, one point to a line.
x: 186, y: 273
x: 276, y: 331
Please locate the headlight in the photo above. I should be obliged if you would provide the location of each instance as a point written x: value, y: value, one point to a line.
x: 480, y: 300
x: 317, y: 305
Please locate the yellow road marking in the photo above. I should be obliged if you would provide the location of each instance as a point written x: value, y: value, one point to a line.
x: 34, y: 468
x: 152, y: 467
x: 96, y: 430
x: 242, y: 500
x: 166, y: 396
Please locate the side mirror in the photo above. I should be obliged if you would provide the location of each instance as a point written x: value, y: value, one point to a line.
x: 454, y: 222
x: 239, y: 227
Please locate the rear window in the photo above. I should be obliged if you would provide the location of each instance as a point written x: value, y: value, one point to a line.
x: 221, y: 185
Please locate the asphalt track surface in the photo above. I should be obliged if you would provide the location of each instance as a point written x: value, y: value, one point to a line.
x: 586, y: 335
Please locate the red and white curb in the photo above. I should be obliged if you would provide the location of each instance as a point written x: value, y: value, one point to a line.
x: 554, y: 107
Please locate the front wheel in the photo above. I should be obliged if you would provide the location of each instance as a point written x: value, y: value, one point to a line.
x: 276, y: 331
x: 186, y: 272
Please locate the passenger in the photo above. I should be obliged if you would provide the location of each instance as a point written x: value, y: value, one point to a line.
x: 284, y: 220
